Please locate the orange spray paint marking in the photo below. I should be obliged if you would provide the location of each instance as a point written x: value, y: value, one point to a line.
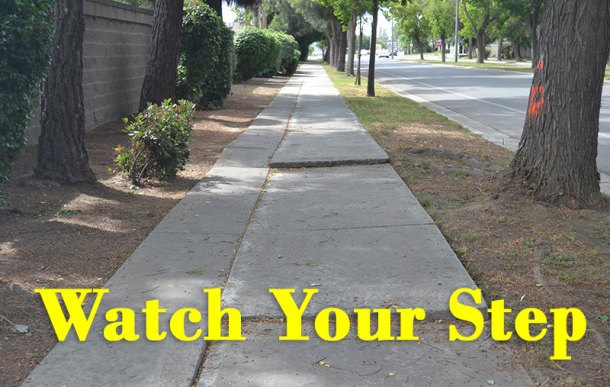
x: 536, y: 95
x: 536, y: 101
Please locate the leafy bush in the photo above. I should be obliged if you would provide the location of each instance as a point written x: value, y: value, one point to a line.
x: 205, y: 70
x: 257, y: 52
x: 262, y: 52
x: 159, y: 141
x: 274, y: 51
x: 289, y: 54
x: 25, y: 35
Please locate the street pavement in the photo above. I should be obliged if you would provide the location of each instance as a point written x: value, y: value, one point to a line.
x: 346, y: 225
x: 488, y: 102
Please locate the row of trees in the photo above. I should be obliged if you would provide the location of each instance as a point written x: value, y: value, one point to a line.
x: 556, y: 160
x: 480, y: 21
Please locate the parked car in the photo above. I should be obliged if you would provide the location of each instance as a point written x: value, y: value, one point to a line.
x: 383, y: 53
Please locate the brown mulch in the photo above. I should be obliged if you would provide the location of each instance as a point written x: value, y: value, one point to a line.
x: 78, y: 236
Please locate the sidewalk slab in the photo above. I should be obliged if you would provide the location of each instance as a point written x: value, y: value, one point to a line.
x: 263, y: 360
x: 356, y: 233
x: 323, y: 131
x: 192, y: 248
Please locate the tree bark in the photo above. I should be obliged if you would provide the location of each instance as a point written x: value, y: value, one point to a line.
x: 480, y: 46
x: 62, y: 155
x: 216, y: 5
x: 517, y: 50
x: 332, y: 43
x: 556, y: 159
x: 358, y: 74
x: 370, y: 87
x: 160, y: 78
x: 351, y: 44
x: 420, y: 45
x: 500, y: 48
x: 470, y: 48
x: 443, y: 48
x: 336, y: 46
x: 255, y: 17
x: 342, y: 49
x: 327, y: 50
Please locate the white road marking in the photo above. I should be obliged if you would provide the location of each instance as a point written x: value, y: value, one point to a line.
x: 454, y: 92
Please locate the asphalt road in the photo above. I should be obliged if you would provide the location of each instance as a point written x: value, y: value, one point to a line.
x: 478, y: 98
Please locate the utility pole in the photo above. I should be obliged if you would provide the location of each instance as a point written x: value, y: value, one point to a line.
x: 457, y: 22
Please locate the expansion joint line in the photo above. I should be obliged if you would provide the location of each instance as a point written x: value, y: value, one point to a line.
x: 204, y: 355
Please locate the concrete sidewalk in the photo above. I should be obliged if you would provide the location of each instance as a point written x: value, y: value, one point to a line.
x: 349, y: 227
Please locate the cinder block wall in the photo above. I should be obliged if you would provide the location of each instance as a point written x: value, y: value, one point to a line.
x: 115, y: 51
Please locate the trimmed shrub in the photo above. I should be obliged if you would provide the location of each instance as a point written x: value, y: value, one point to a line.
x: 25, y: 36
x: 274, y: 51
x: 289, y: 54
x: 159, y: 141
x: 205, y: 70
x: 257, y: 51
x: 263, y: 53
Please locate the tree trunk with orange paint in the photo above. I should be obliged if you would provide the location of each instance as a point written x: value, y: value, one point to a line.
x: 556, y: 160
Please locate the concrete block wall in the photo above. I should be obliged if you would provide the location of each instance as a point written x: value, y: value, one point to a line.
x: 115, y: 52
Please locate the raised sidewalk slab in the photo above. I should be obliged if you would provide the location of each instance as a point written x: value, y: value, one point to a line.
x: 191, y: 249
x: 356, y: 233
x: 323, y: 131
x: 263, y: 360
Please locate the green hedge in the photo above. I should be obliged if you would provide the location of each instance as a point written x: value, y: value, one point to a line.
x: 255, y: 50
x: 25, y: 37
x: 289, y: 55
x: 262, y: 52
x: 205, y: 70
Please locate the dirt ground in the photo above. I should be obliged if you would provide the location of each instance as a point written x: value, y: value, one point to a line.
x: 526, y: 253
x: 78, y: 236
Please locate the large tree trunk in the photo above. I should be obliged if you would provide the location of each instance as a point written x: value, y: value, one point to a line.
x: 517, y: 50
x: 500, y: 47
x: 255, y: 16
x: 160, y: 79
x: 332, y: 51
x: 337, y: 33
x: 370, y: 87
x: 358, y: 74
x: 420, y: 46
x: 351, y: 44
x: 216, y: 5
x: 470, y: 48
x: 480, y: 46
x: 342, y: 48
x: 556, y: 160
x: 332, y: 43
x: 62, y: 155
x: 443, y: 48
x: 327, y: 50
